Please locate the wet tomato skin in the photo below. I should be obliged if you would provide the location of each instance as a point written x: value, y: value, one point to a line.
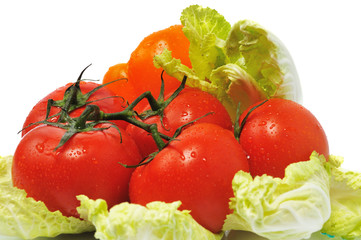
x: 106, y: 102
x: 189, y: 105
x: 278, y: 133
x: 196, y: 169
x: 142, y: 73
x: 87, y: 164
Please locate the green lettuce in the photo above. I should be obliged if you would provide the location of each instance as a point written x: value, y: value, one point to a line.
x: 240, y: 63
x: 23, y: 217
x: 345, y: 220
x: 290, y: 208
x: 156, y: 221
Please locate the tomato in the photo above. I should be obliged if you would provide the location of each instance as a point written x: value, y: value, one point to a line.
x: 197, y: 169
x: 278, y: 133
x: 121, y: 87
x: 188, y: 106
x: 142, y: 73
x: 106, y: 102
x: 88, y: 163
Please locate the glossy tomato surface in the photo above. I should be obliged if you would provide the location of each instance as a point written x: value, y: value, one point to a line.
x: 278, y: 133
x: 196, y: 169
x: 103, y: 97
x: 121, y: 87
x: 188, y: 106
x: 142, y: 73
x: 87, y: 164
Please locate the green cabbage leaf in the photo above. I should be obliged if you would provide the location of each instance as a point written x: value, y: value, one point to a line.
x: 23, y: 217
x: 241, y: 63
x: 345, y: 220
x: 290, y: 208
x: 156, y: 221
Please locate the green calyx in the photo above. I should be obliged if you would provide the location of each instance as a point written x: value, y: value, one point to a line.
x: 80, y: 124
x: 158, y: 106
x: 73, y: 98
x: 92, y: 115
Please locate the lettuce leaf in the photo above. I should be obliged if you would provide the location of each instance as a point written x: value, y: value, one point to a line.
x: 207, y: 32
x: 345, y: 220
x: 156, y: 221
x: 240, y: 63
x: 290, y: 208
x: 23, y: 217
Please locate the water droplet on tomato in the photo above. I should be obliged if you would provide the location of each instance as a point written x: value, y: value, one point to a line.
x: 165, y: 125
x: 204, y: 159
x: 182, y: 157
x: 193, y: 154
x: 262, y: 123
x: 40, y: 147
x: 184, y: 114
x: 94, y: 160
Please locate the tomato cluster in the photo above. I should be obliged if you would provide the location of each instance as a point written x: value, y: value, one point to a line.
x: 180, y: 145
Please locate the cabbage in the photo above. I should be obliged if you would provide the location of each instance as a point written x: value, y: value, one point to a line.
x: 290, y: 208
x: 345, y: 220
x: 156, y: 221
x: 241, y: 63
x: 23, y: 217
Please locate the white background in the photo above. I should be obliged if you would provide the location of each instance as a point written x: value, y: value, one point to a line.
x: 45, y: 44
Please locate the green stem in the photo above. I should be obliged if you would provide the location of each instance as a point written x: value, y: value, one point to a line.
x: 239, y: 127
x: 128, y: 116
x: 156, y: 136
x: 151, y: 100
x: 70, y: 96
x: 80, y: 122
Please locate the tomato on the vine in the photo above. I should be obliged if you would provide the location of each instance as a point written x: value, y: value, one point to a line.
x: 197, y: 168
x: 278, y: 133
x: 88, y: 163
x: 103, y: 97
x: 189, y: 105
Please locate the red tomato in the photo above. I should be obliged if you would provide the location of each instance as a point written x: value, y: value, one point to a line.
x: 189, y: 105
x: 87, y: 164
x: 107, y: 105
x: 142, y: 73
x: 278, y: 133
x: 197, y: 169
